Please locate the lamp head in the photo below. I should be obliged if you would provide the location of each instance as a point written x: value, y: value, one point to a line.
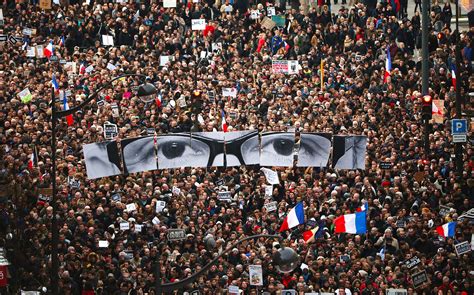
x: 146, y: 92
x: 286, y: 260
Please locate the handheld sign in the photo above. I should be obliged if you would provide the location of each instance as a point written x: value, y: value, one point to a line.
x: 176, y: 234
x: 110, y: 131
x: 412, y: 262
x: 462, y: 248
x: 224, y: 196
x: 419, y: 279
x: 272, y: 206
x: 386, y: 165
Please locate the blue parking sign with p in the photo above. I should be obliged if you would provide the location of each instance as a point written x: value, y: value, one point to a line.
x: 459, y: 126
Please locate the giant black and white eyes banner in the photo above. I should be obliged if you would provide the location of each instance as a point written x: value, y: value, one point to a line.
x: 102, y: 159
x: 349, y: 152
x: 219, y: 149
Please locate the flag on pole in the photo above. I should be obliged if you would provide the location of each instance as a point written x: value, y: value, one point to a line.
x: 82, y: 69
x: 69, y: 118
x: 62, y: 42
x: 33, y: 161
x: 294, y: 218
x: 354, y: 223
x: 48, y: 51
x: 388, y: 66
x: 224, y: 123
x: 55, y: 83
x: 453, y: 76
x: 447, y: 230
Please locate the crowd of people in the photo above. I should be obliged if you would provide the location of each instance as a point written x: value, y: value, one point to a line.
x: 346, y: 47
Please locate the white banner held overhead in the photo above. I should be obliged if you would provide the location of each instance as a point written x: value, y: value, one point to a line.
x: 270, y: 175
x: 169, y: 3
x: 198, y: 24
x: 232, y: 92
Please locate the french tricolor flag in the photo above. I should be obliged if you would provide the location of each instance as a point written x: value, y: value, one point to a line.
x: 62, y: 42
x: 364, y: 207
x: 453, y: 76
x: 82, y: 69
x: 69, y: 118
x: 351, y: 223
x: 294, y: 218
x: 310, y: 235
x: 49, y: 50
x: 388, y: 66
x: 447, y: 230
x: 55, y: 83
x: 224, y: 123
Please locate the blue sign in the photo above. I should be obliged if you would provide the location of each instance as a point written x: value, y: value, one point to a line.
x: 459, y: 126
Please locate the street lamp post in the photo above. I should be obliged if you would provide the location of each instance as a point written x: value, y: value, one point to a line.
x: 286, y: 260
x: 145, y: 90
x: 458, y: 146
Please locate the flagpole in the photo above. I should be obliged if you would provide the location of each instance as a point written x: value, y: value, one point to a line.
x: 425, y: 67
x: 54, y: 221
x: 458, y: 150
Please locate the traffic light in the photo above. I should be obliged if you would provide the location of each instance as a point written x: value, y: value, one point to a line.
x: 427, y: 106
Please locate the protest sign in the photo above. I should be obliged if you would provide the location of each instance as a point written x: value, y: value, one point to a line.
x: 138, y: 228
x: 224, y: 196
x: 176, y: 234
x: 89, y: 69
x: 39, y: 51
x: 169, y: 3
x: 232, y: 92
x: 270, y: 175
x: 385, y: 165
x: 444, y: 210
x: 160, y: 205
x: 397, y: 292
x: 256, y: 275
x: 272, y: 206
x: 462, y: 248
x: 198, y: 24
x: 412, y: 262
x: 31, y: 51
x: 45, y: 4
x: 254, y: 14
x: 107, y: 40
x: 164, y: 59
x: 124, y: 226
x: 271, y: 11
x: 110, y: 131
x: 131, y: 207
x: 419, y: 279
x: 234, y: 290
x: 267, y: 23
x: 25, y: 95
x: 285, y: 66
x: 268, y: 190
x: 111, y: 67
x: 103, y: 244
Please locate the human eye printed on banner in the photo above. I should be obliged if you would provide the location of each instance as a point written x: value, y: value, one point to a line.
x: 314, y: 150
x: 277, y: 149
x: 349, y: 152
x: 139, y: 154
x: 102, y: 159
x: 215, y: 142
x: 242, y: 148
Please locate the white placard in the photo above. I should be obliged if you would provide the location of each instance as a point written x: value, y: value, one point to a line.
x: 110, y: 131
x: 217, y: 47
x: 107, y: 40
x: 39, y: 51
x: 270, y: 175
x: 31, y: 52
x: 70, y: 67
x: 103, y: 244
x: 1, y: 14
x: 254, y: 14
x: 124, y: 226
x: 198, y: 24
x: 89, y: 69
x: 156, y: 220
x: 462, y: 248
x: 272, y: 206
x: 397, y: 291
x: 256, y: 275
x: 234, y: 290
x: 27, y: 31
x: 268, y: 190
x: 160, y: 205
x: 164, y: 59
x: 25, y: 95
x: 175, y: 191
x: 271, y: 11
x: 169, y: 3
x: 232, y: 92
x: 111, y: 67
x: 138, y: 228
x: 131, y: 207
